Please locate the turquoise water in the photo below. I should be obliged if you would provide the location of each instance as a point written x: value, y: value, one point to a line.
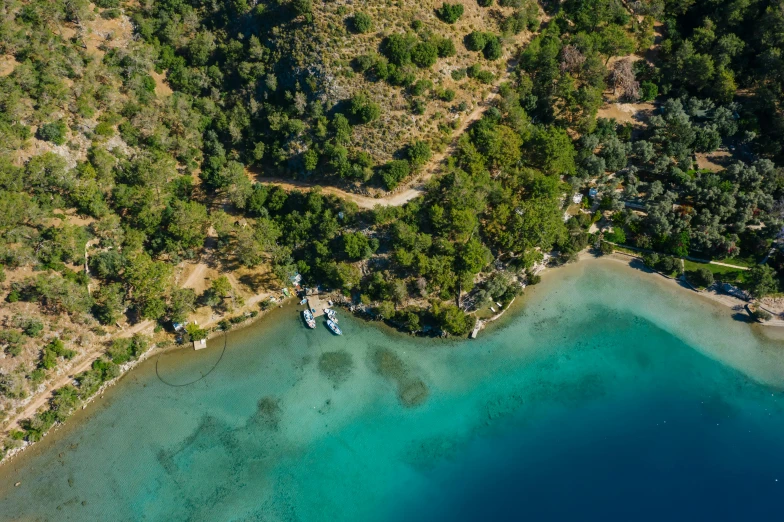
x: 609, y: 395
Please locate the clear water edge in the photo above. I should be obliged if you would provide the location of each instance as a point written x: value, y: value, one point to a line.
x: 592, y: 345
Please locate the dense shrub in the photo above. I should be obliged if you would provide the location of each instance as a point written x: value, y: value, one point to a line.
x: 394, y: 172
x: 54, y: 131
x: 492, y: 49
x: 397, y: 48
x: 361, y: 23
x: 483, y: 76
x: 702, y: 276
x: 476, y: 40
x: 421, y: 87
x: 424, y: 54
x: 446, y: 47
x: 450, y: 13
x: 363, y: 109
x: 52, y: 351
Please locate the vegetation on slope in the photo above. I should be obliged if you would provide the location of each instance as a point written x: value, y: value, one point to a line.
x: 103, y: 163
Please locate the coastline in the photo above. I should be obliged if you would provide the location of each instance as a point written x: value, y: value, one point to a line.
x: 718, y: 304
x: 156, y: 349
x: 274, y: 426
x: 773, y: 327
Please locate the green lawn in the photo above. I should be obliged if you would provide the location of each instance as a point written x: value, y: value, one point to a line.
x: 720, y: 273
x: 748, y: 262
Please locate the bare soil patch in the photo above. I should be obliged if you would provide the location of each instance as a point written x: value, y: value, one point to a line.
x: 7, y: 64
x: 634, y: 113
x: 715, y: 161
x: 162, y: 88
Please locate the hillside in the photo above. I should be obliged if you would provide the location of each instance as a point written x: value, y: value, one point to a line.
x: 133, y: 136
x: 335, y: 91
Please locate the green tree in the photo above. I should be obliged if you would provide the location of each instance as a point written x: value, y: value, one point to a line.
x: 477, y: 40
x: 394, y: 172
x: 109, y: 303
x: 363, y: 108
x: 357, y: 245
x: 186, y: 225
x: 703, y: 276
x: 761, y: 281
x: 552, y: 151
x: 361, y: 23
x: 397, y: 48
x: 492, y: 49
x: 450, y: 13
x: 424, y: 54
x: 148, y: 285
x: 221, y: 286
x: 615, y: 41
x: 182, y: 303
x: 341, y: 128
x: 195, y: 332
x: 648, y: 91
x: 452, y: 319
x: 345, y: 276
x: 302, y: 7
x: 418, y: 153
x: 54, y: 131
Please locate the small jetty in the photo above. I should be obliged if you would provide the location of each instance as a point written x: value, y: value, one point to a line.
x: 477, y: 327
x: 316, y: 305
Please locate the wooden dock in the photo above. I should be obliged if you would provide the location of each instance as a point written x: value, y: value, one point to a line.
x: 317, y: 305
x: 477, y: 327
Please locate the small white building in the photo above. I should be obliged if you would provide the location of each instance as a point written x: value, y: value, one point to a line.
x: 577, y: 198
x: 200, y: 344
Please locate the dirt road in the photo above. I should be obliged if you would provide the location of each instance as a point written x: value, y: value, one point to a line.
x: 404, y: 194
x: 416, y: 186
x: 86, y: 361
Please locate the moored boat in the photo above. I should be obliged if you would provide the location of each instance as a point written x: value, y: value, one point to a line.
x: 308, y: 316
x: 334, y: 327
x: 331, y: 314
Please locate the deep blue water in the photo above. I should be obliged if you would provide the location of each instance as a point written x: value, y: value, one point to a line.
x: 692, y: 440
x: 616, y: 463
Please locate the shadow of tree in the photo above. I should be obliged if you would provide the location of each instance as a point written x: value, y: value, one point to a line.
x: 256, y: 282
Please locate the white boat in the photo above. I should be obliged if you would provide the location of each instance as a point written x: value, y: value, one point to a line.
x: 308, y: 316
x: 334, y: 327
x: 331, y: 314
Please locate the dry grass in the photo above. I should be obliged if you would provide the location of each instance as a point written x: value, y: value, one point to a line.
x: 335, y: 47
x: 634, y: 113
x: 161, y: 87
x: 7, y: 64
x: 713, y: 161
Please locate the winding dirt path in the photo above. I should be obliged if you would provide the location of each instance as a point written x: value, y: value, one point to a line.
x: 86, y: 361
x: 416, y: 186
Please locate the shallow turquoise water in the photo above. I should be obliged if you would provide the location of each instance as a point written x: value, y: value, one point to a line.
x: 608, y: 396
